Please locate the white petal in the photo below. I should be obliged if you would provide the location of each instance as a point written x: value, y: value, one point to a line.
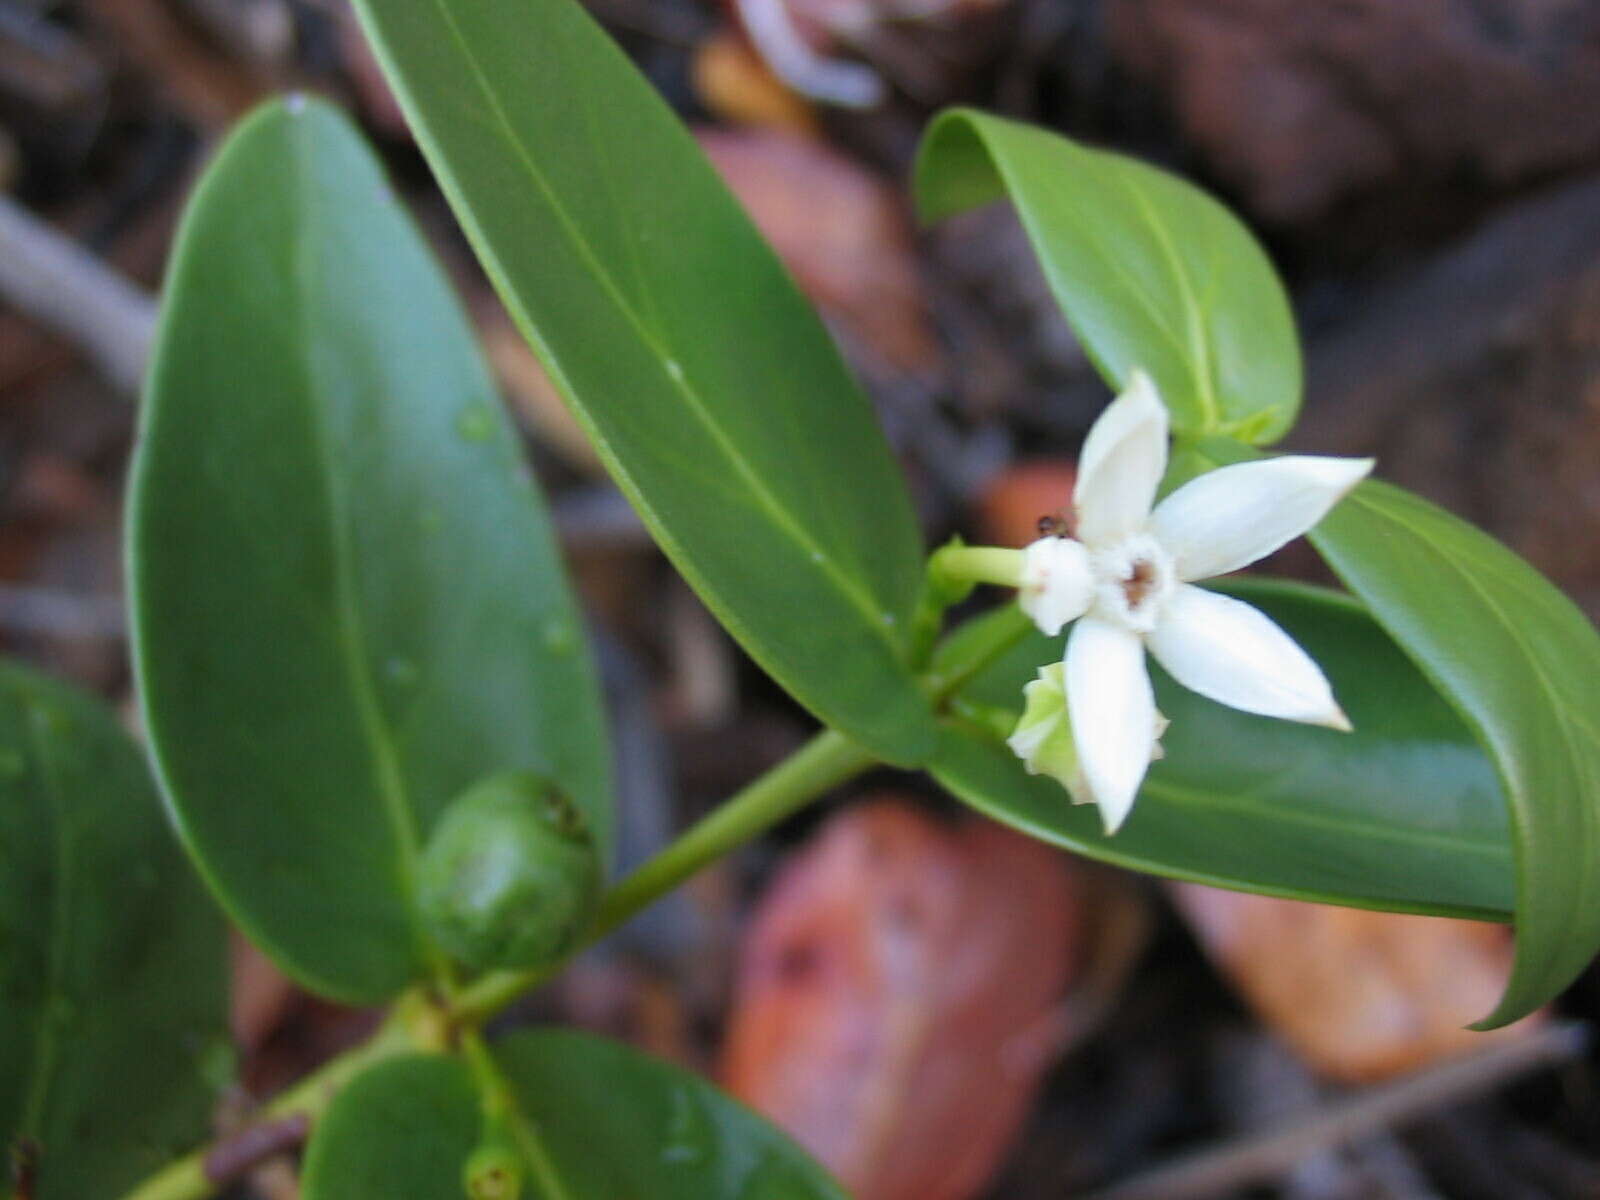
x: 1122, y: 462
x: 1113, y: 713
x: 1057, y: 584
x: 1234, y: 654
x: 1228, y: 518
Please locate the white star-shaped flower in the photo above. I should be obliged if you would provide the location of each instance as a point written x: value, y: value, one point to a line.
x: 1128, y: 582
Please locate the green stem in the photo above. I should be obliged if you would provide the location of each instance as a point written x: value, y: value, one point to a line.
x: 971, y: 648
x: 415, y: 1022
x: 822, y: 763
x: 186, y: 1179
x: 503, y: 1116
x: 953, y: 571
x: 978, y: 564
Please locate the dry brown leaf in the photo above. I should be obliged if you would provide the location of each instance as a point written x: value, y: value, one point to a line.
x: 898, y: 997
x: 843, y: 233
x: 1360, y: 995
x: 1305, y: 106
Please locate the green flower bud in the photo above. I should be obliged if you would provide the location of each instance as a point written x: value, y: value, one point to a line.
x: 510, y: 875
x: 1043, y: 737
x: 493, y: 1172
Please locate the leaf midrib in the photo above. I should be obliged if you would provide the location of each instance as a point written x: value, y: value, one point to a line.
x: 813, y: 554
x: 1198, y: 343
x: 1561, y: 708
x: 1245, y: 804
x: 1163, y: 865
x: 1544, y: 685
x: 1204, y: 799
x: 350, y: 633
x: 1091, y: 242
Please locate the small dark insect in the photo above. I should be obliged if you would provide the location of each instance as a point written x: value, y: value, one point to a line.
x: 1053, y: 525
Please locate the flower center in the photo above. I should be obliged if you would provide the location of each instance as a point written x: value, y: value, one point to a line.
x: 1133, y: 578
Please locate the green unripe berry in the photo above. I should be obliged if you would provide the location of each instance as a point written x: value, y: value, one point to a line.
x: 510, y: 874
x: 493, y: 1172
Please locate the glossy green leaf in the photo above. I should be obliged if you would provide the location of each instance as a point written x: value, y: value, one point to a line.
x: 1402, y: 814
x: 401, y: 1130
x: 1518, y: 661
x: 113, y: 974
x: 610, y: 1122
x: 1521, y: 663
x: 707, y: 383
x: 1150, y: 271
x: 347, y: 602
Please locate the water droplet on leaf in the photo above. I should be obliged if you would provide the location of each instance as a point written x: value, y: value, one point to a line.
x: 558, y: 636
x: 475, y: 424
x: 217, y: 1063
x: 775, y: 1177
x: 689, y: 1135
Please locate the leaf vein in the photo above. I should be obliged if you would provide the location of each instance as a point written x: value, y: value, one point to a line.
x: 1563, y: 720
x: 350, y: 628
x: 813, y: 556
x: 1197, y: 344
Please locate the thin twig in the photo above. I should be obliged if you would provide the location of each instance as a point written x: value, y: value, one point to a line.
x: 232, y: 1157
x: 1275, y: 1151
x: 190, y: 1177
x: 70, y: 291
